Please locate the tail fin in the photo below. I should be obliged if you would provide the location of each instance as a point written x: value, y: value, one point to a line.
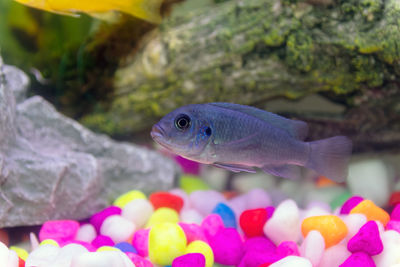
x: 330, y: 157
x: 148, y: 10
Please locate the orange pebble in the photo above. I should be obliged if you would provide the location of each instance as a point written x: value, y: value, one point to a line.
x: 371, y: 211
x: 229, y: 194
x: 324, y: 181
x: 331, y: 227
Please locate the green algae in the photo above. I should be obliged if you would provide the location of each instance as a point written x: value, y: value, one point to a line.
x: 252, y: 51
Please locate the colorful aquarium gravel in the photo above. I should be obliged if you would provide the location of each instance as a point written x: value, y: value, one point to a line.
x: 190, y: 226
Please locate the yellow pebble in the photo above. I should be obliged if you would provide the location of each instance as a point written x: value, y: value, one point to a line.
x: 49, y: 242
x: 162, y: 215
x: 106, y: 248
x: 166, y: 242
x: 124, y: 199
x: 203, y: 248
x: 371, y: 211
x: 22, y: 253
x: 331, y: 227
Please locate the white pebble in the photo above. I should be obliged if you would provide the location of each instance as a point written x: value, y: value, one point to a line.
x: 390, y: 255
x: 191, y: 216
x: 118, y: 228
x: 3, y: 254
x: 334, y: 256
x: 13, y: 260
x: 292, y: 261
x: 353, y: 223
x: 313, y: 247
x: 34, y: 241
x: 138, y: 211
x: 102, y: 259
x: 257, y: 198
x: 284, y: 224
x: 371, y: 180
x: 204, y: 201
x: 42, y: 256
x: 86, y: 233
x: 66, y: 254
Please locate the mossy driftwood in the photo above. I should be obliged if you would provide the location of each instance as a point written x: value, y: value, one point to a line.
x: 253, y: 51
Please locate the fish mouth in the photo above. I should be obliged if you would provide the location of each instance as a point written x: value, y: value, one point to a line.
x: 157, y: 132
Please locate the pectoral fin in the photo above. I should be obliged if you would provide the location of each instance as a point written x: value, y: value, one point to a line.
x: 287, y: 171
x: 234, y: 167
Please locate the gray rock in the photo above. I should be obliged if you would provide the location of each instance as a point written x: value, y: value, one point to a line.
x: 18, y: 81
x: 7, y: 111
x: 51, y: 167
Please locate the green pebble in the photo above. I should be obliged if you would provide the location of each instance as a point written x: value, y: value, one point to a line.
x: 339, y: 200
x: 190, y: 183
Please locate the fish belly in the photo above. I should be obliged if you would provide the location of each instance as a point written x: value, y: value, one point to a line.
x: 265, y: 146
x: 282, y: 150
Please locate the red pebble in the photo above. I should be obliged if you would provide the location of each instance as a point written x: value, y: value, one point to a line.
x: 21, y: 262
x: 4, y: 238
x: 394, y: 198
x: 265, y: 264
x: 252, y: 222
x: 165, y: 199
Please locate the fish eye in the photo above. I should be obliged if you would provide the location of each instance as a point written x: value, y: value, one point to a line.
x: 182, y: 122
x: 208, y: 131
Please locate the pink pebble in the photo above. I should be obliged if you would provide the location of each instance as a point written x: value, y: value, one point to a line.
x: 393, y: 225
x: 188, y: 166
x: 358, y: 259
x: 98, y: 218
x: 212, y: 224
x: 261, y: 244
x: 102, y: 240
x: 141, y: 242
x: 350, y: 204
x: 61, y: 231
x: 287, y: 248
x: 395, y: 215
x: 366, y: 240
x: 87, y: 245
x: 257, y: 258
x: 270, y: 211
x: 190, y: 260
x: 139, y: 261
x: 227, y: 246
x: 193, y: 232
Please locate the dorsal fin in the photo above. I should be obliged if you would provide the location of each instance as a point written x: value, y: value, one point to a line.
x: 295, y: 128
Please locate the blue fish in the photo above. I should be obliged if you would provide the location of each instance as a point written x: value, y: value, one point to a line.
x: 242, y: 138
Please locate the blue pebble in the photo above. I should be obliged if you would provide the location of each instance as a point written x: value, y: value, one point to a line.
x: 226, y: 213
x: 125, y: 247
